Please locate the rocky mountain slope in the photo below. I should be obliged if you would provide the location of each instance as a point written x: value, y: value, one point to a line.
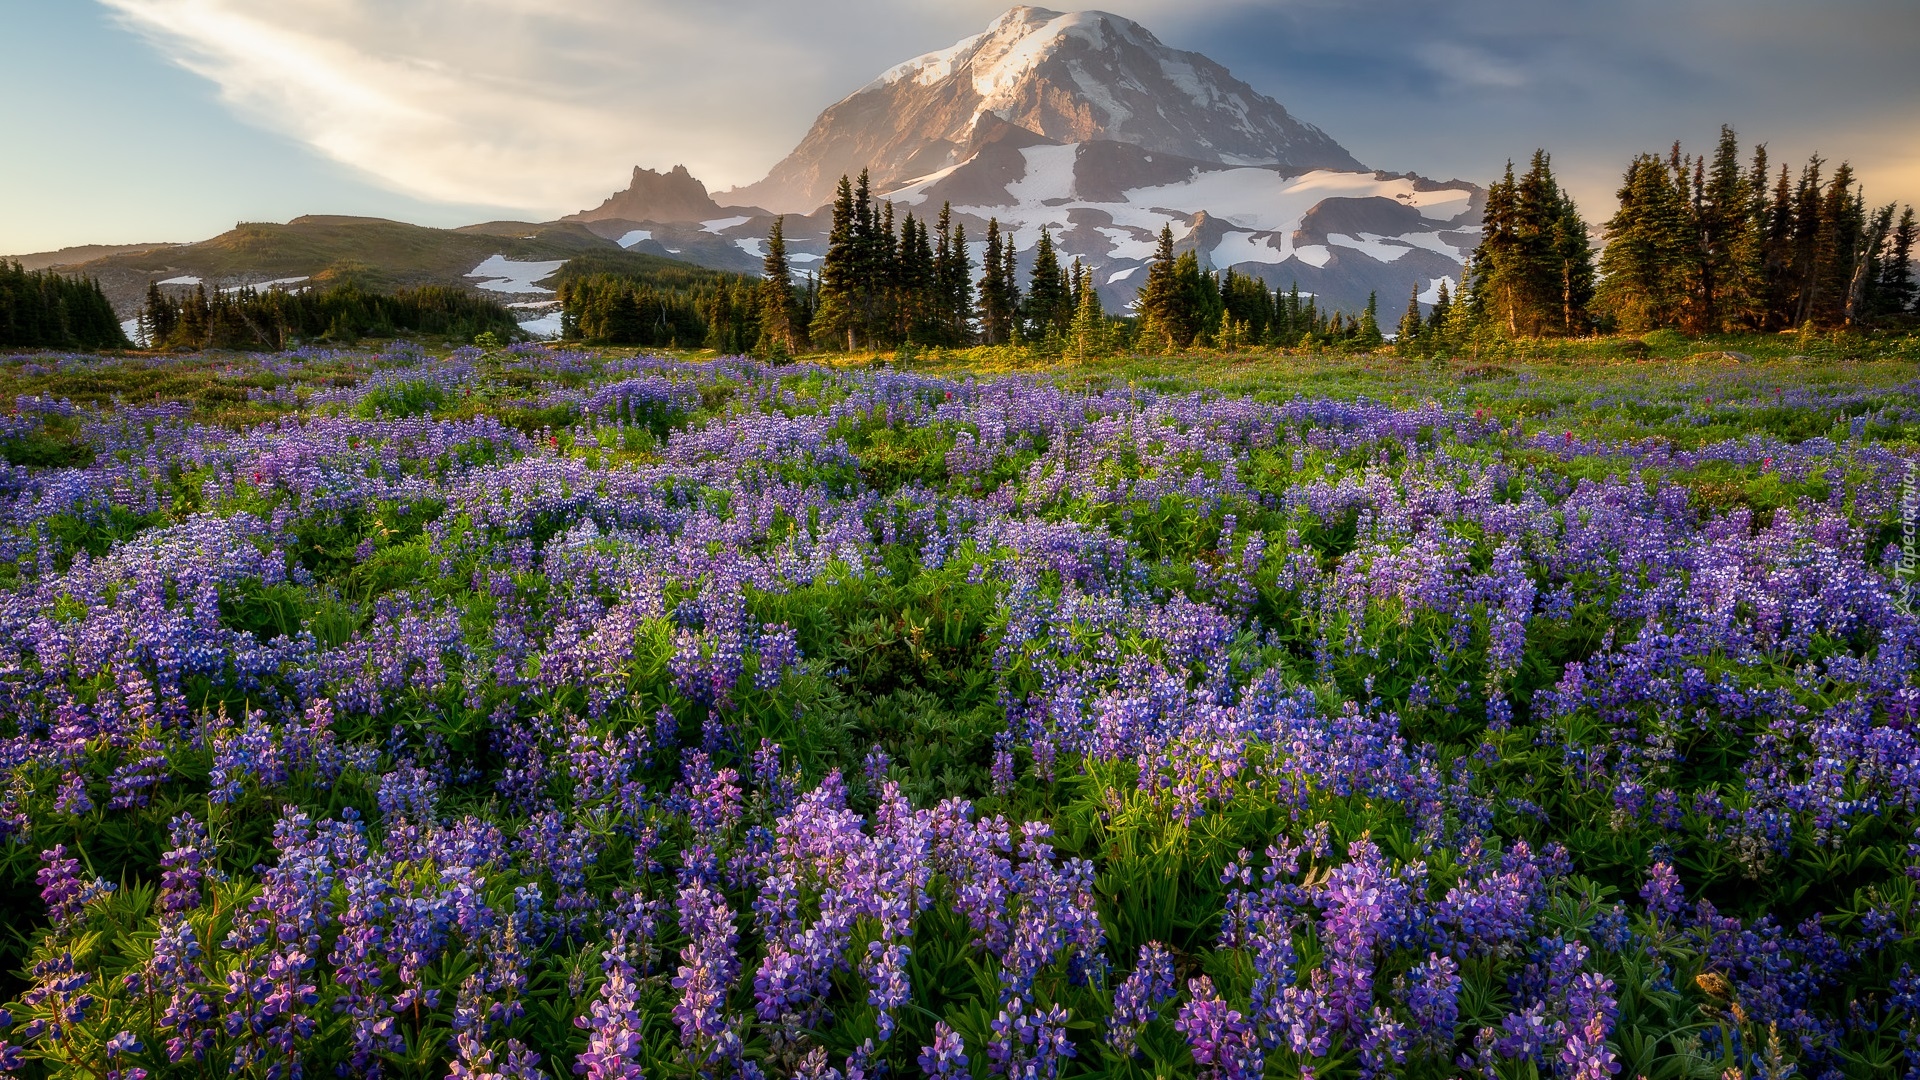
x: 1089, y: 127
x: 1071, y: 78
x: 1084, y: 125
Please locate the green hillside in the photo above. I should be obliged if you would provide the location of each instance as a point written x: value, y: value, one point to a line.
x: 372, y: 252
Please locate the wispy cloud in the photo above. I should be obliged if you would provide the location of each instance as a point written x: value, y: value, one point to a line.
x: 514, y: 103
x: 543, y: 105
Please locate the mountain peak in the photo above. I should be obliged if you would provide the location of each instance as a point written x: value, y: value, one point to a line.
x: 654, y: 196
x: 1067, y: 77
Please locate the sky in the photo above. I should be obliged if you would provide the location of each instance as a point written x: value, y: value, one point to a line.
x: 170, y: 120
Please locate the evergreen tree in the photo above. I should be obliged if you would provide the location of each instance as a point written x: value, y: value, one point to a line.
x: 1087, y: 336
x: 1534, y: 261
x: 43, y: 309
x: 1049, y: 307
x: 834, y: 315
x: 1837, y: 252
x: 1895, y: 289
x: 1571, y: 268
x: 159, y: 317
x: 1779, y: 293
x: 1407, y: 336
x: 1010, y: 283
x: 1804, y: 270
x: 1367, y: 331
x: 998, y: 297
x: 954, y: 275
x: 1463, y: 313
x: 1158, y: 304
x: 1645, y: 266
x: 1724, y: 204
x: 777, y: 309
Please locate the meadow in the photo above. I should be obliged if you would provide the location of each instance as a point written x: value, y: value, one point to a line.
x: 543, y: 712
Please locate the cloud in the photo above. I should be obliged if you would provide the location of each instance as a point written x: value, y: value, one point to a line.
x: 511, y: 103
x: 542, y: 106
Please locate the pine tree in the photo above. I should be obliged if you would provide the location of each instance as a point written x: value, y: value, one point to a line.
x: 1198, y: 311
x: 833, y: 319
x: 1158, y: 304
x: 1088, y: 334
x: 1572, y: 273
x: 1835, y: 269
x: 954, y: 276
x: 1895, y: 290
x: 1010, y: 286
x: 1407, y: 335
x: 159, y: 317
x: 1724, y: 205
x: 1644, y: 268
x: 1463, y: 312
x: 1804, y: 272
x: 996, y: 290
x: 1534, y: 262
x: 1367, y: 331
x: 777, y: 310
x: 1049, y: 306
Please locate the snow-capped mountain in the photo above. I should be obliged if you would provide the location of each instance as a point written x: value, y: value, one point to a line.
x: 1069, y: 77
x: 1087, y: 126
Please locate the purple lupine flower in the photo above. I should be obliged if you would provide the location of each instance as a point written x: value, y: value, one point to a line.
x: 61, y: 886
x: 614, y: 1024
x: 1222, y: 1040
x: 1662, y: 892
x: 181, y: 866
x: 1137, y: 1001
x: 1433, y: 997
x: 1590, y: 1014
x: 946, y: 1059
x: 707, y: 970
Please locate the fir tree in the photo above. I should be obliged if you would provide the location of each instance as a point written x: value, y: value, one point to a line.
x: 1534, y: 263
x: 1895, y: 290
x: 1408, y: 334
x: 1049, y: 306
x: 1836, y: 250
x: 833, y: 319
x: 955, y: 280
x: 1644, y: 268
x: 1088, y: 334
x: 777, y: 310
x: 998, y: 296
x: 1158, y: 304
x: 1367, y: 330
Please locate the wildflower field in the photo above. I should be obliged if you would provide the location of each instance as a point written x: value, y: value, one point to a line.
x: 544, y: 713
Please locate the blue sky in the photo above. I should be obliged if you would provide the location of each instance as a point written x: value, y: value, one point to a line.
x: 172, y: 119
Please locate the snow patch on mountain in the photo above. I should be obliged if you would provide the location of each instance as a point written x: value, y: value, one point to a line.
x: 1244, y: 247
x: 1314, y: 255
x: 1431, y: 294
x: 1126, y: 245
x: 1369, y: 244
x: 500, y: 274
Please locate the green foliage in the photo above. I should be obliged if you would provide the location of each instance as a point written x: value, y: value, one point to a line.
x: 344, y: 313
x: 41, y: 309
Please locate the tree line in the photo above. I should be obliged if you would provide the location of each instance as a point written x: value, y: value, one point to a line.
x: 1698, y: 244
x: 42, y: 309
x: 891, y: 280
x: 1706, y: 244
x: 249, y: 319
x: 1712, y: 245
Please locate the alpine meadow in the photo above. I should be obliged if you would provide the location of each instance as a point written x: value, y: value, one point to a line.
x: 1012, y: 593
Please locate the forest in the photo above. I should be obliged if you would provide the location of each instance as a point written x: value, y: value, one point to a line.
x: 41, y: 309
x: 1699, y: 244
x: 277, y: 318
